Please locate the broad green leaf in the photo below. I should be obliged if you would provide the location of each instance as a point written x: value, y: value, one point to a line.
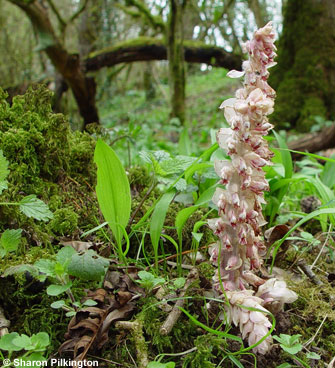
x: 112, y: 189
x: 10, y: 240
x: 285, y: 365
x: 64, y: 255
x: 55, y: 290
x: 197, y: 167
x: 88, y: 266
x: 6, y: 342
x: 158, y: 218
x: 31, y: 206
x: 3, y: 172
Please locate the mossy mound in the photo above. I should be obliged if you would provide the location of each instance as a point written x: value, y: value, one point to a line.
x: 47, y: 159
x: 306, y: 61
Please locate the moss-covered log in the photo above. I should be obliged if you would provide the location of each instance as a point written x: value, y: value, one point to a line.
x: 147, y: 48
x: 305, y: 75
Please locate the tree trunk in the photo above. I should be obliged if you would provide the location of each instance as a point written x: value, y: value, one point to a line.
x: 176, y: 60
x: 68, y: 65
x: 314, y: 142
x: 305, y: 75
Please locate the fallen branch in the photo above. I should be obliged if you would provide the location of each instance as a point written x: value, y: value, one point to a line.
x: 176, y: 312
x: 308, y: 272
x: 141, y: 348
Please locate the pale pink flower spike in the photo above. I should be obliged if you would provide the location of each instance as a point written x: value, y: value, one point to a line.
x: 240, y: 247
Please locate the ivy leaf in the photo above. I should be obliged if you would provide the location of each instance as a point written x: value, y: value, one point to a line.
x: 9, y: 241
x: 3, y: 172
x: 88, y: 266
x: 31, y: 206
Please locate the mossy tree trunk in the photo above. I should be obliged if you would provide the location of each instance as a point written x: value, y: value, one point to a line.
x: 305, y: 75
x: 68, y: 65
x: 175, y: 50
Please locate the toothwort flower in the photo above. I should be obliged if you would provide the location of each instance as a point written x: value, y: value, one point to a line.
x: 238, y: 253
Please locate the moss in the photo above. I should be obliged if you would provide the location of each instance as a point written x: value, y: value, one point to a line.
x: 47, y: 159
x: 64, y: 222
x: 305, y: 60
x: 313, y: 106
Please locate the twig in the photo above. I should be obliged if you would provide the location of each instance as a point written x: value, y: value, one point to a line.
x: 331, y: 363
x: 176, y: 312
x: 4, y: 323
x: 141, y: 348
x: 175, y: 264
x: 317, y: 331
x: 307, y: 271
x: 323, y: 245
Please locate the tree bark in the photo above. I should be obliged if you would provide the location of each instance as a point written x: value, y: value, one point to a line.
x: 314, y: 142
x: 68, y: 65
x: 175, y: 52
x: 148, y: 49
x: 305, y: 75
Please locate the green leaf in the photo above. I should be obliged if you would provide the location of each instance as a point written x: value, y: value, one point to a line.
x: 21, y: 269
x: 206, y: 196
x: 31, y: 206
x: 58, y: 304
x: 35, y: 357
x: 181, y: 218
x: 46, y: 266
x: 64, y: 255
x: 55, y: 290
x: 23, y: 341
x: 179, y: 282
x: 292, y: 349
x: 235, y: 361
x: 285, y: 365
x: 158, y: 218
x: 112, y: 189
x: 40, y: 340
x: 312, y: 355
x: 70, y: 314
x: 10, y: 240
x: 6, y: 342
x: 184, y: 144
x: 161, y: 365
x: 3, y: 172
x: 90, y: 303
x: 88, y: 266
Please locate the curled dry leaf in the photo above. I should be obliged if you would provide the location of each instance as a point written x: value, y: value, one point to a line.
x: 89, y: 328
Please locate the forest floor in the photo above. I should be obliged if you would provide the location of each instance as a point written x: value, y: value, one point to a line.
x: 67, y: 278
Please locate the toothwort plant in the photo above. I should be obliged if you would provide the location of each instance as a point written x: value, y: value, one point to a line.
x: 239, y: 251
